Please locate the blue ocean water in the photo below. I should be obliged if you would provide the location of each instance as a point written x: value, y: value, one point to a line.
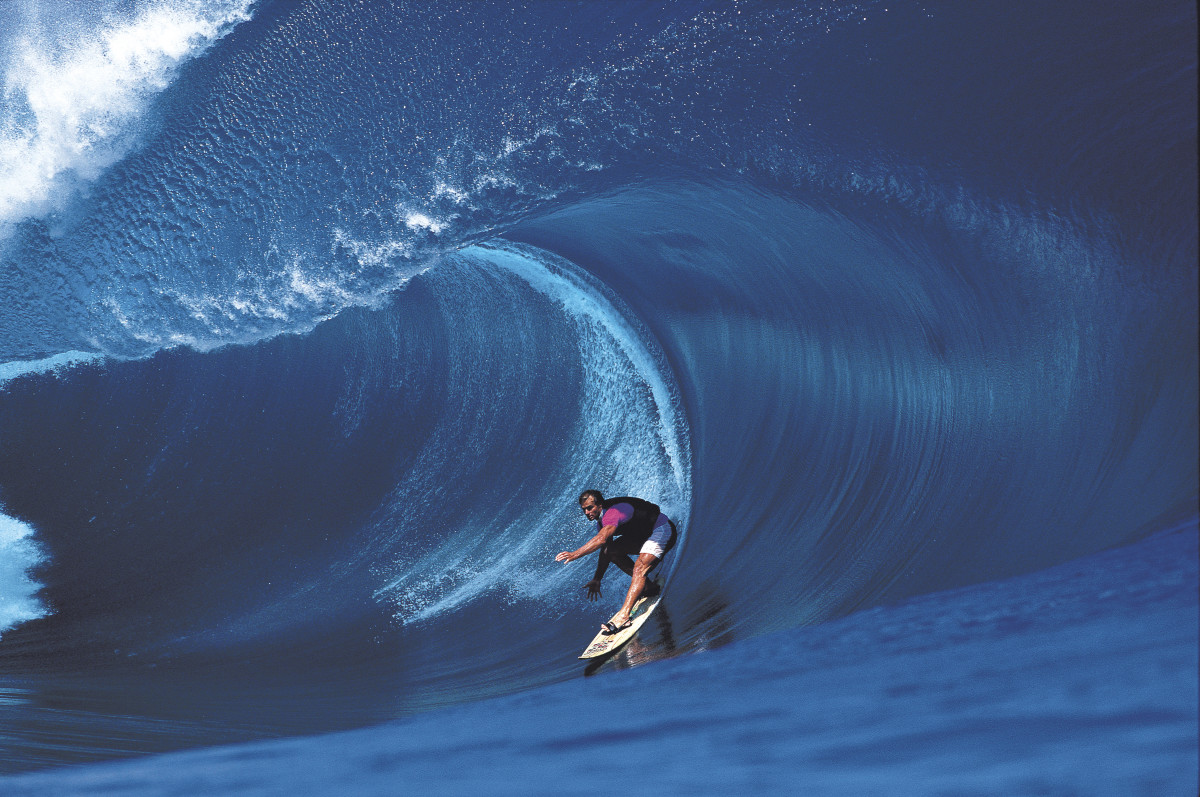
x: 319, y: 316
x: 1080, y: 679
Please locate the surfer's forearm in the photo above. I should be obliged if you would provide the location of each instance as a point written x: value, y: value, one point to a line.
x: 588, y: 547
x: 591, y: 545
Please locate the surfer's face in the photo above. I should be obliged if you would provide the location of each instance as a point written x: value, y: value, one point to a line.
x: 591, y: 508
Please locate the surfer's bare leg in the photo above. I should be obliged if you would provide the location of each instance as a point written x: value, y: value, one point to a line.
x: 637, y: 584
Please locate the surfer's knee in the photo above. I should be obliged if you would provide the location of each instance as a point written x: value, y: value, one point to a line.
x: 644, y: 564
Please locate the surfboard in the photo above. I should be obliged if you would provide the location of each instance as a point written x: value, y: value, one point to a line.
x: 603, y: 644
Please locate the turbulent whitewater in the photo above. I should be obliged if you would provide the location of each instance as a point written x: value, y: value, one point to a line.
x: 318, y: 316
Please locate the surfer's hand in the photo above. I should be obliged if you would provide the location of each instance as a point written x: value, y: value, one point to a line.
x: 593, y: 588
x: 565, y: 556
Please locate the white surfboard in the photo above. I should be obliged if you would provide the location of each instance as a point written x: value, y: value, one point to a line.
x: 604, y: 644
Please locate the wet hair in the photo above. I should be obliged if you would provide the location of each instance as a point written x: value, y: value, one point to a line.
x: 593, y: 494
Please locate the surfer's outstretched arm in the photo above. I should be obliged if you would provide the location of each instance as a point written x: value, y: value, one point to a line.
x: 594, y: 544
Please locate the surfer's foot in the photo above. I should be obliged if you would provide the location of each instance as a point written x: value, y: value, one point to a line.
x: 613, y: 627
x: 651, y: 589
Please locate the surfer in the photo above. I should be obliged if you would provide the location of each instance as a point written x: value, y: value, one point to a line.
x: 628, y: 526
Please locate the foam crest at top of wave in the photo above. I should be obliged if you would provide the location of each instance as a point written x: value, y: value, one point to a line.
x: 77, y: 85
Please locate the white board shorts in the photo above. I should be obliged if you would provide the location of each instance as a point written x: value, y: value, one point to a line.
x: 657, y: 544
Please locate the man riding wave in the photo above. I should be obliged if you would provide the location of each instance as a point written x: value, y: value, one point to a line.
x: 628, y: 526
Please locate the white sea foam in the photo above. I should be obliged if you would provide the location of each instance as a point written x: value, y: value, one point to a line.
x: 421, y: 221
x: 18, y: 592
x: 75, y: 92
x: 373, y: 254
x: 11, y: 370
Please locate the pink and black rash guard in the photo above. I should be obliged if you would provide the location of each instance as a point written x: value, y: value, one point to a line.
x: 621, y: 513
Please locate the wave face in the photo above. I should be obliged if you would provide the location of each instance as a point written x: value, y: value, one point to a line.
x: 321, y: 315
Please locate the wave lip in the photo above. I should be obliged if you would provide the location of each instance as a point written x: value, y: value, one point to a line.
x: 75, y: 94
